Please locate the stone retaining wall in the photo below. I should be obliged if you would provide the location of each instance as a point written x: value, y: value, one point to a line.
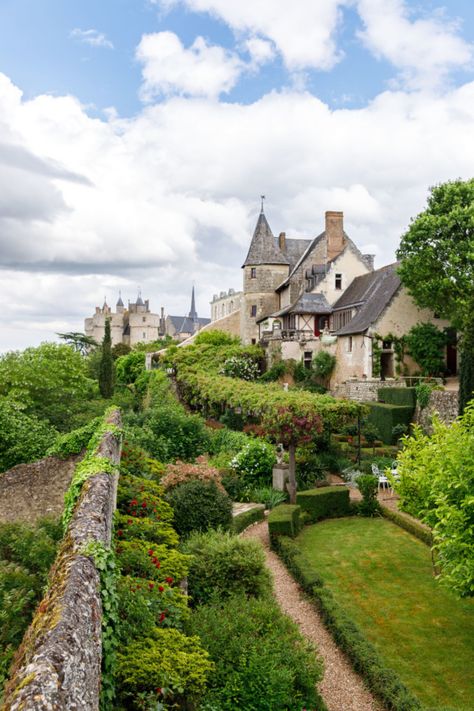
x: 444, y: 403
x: 58, y: 663
x: 366, y: 390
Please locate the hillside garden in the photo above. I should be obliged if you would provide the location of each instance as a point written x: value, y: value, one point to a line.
x: 223, y: 642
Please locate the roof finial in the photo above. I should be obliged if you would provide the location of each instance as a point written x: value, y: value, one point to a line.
x: 262, y: 198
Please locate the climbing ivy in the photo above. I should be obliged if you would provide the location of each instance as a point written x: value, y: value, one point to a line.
x: 90, y: 466
x: 399, y: 346
x: 105, y: 562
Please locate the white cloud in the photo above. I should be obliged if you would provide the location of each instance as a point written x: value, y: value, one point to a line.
x: 424, y: 49
x: 171, y: 195
x: 261, y: 51
x: 303, y: 30
x: 94, y: 38
x: 169, y: 68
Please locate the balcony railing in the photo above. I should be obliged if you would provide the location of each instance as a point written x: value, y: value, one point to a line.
x: 286, y: 334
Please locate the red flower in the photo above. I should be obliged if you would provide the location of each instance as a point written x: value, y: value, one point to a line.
x: 150, y: 552
x: 119, y: 533
x: 133, y: 502
x: 158, y: 690
x: 144, y: 505
x: 151, y: 585
x: 162, y: 616
x: 169, y: 580
x: 130, y: 521
x: 157, y: 563
x: 161, y: 588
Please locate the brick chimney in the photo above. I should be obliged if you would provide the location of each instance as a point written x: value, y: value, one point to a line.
x: 282, y: 241
x: 334, y: 233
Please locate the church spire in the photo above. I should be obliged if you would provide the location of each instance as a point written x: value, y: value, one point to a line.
x: 263, y: 247
x: 193, y: 313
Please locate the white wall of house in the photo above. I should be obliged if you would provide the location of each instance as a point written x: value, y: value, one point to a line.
x: 349, y: 265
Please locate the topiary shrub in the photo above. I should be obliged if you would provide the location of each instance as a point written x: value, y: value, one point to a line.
x: 261, y: 660
x: 143, y: 559
x: 164, y: 667
x: 129, y: 527
x: 367, y: 485
x: 223, y: 565
x: 255, y: 462
x: 284, y: 520
x: 199, y: 506
x: 326, y: 502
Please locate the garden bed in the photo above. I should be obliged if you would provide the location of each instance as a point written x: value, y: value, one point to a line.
x: 382, y: 580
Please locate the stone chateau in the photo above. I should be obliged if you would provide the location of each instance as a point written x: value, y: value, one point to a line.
x: 138, y: 324
x: 303, y: 295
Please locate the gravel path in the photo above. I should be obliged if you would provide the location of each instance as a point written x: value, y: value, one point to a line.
x: 341, y: 688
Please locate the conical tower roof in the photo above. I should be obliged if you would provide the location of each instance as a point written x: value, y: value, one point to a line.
x: 263, y: 247
x: 193, y: 313
x: 120, y: 302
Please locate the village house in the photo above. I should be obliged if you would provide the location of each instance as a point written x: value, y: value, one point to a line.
x: 301, y: 296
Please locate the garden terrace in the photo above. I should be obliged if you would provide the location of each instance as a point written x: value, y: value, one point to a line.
x: 59, y: 660
x: 375, y: 586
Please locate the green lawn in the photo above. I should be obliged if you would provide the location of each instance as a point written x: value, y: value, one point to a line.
x: 383, y: 578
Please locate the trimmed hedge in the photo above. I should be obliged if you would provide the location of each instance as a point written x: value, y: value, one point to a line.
x: 326, y: 502
x: 423, y: 533
x: 382, y: 680
x: 384, y: 418
x: 284, y: 520
x: 246, y: 518
x: 397, y: 396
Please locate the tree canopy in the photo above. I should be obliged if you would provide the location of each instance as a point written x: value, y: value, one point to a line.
x: 437, y: 252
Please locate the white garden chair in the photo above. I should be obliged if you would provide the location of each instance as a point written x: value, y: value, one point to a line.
x: 383, y: 481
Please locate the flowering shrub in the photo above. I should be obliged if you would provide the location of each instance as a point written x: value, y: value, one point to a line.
x: 242, y: 367
x: 133, y: 487
x: 223, y: 564
x: 166, y: 666
x: 182, y: 472
x: 144, y: 559
x: 254, y: 463
x: 199, y: 506
x: 128, y: 527
x: 143, y: 604
x: 136, y: 461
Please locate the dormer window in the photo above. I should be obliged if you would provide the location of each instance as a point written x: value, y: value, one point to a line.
x: 253, y: 272
x: 338, y: 282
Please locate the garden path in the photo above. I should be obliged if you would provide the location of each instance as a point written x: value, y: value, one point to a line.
x: 341, y: 687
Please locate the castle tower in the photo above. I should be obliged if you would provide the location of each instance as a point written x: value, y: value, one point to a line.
x: 265, y: 267
x: 119, y: 307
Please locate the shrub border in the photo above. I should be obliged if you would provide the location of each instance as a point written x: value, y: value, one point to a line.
x: 247, y: 518
x: 381, y: 680
x: 418, y: 530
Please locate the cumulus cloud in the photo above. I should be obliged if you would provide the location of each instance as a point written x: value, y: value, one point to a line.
x: 94, y: 38
x: 169, y: 68
x: 171, y: 195
x: 303, y: 31
x: 424, y: 49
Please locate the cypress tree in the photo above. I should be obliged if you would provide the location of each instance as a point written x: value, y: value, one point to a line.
x: 466, y: 371
x: 106, y: 367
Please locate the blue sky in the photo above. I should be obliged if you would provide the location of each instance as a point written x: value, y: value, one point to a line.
x: 357, y: 105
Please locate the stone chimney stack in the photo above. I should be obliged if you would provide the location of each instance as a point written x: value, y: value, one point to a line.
x: 334, y: 233
x: 282, y: 241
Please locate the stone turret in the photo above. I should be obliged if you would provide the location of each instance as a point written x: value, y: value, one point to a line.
x: 265, y: 267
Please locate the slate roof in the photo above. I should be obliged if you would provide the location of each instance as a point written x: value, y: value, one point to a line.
x: 305, y: 304
x: 184, y: 324
x: 370, y: 294
x: 295, y: 248
x: 263, y: 247
x: 310, y: 245
x: 120, y: 302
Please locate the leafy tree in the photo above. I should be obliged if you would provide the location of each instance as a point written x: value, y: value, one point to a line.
x: 22, y: 438
x: 120, y: 349
x: 79, y: 341
x: 437, y: 260
x: 426, y: 345
x: 129, y: 367
x: 436, y: 485
x: 466, y: 379
x: 50, y: 382
x: 106, y: 369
